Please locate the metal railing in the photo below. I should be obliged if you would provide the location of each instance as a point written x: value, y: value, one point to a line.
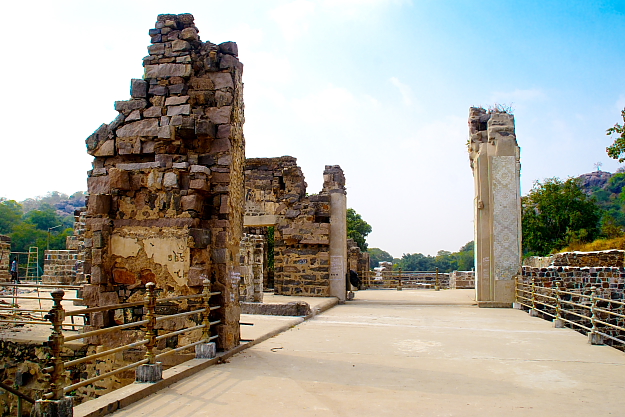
x: 57, y: 340
x: 602, y: 319
x: 406, y: 279
x: 19, y: 316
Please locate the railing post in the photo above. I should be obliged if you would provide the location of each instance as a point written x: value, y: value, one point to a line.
x: 399, y: 287
x: 437, y: 285
x: 533, y: 312
x: 594, y: 338
x: 54, y: 402
x: 208, y: 349
x: 517, y: 303
x: 152, y: 371
x: 557, y: 321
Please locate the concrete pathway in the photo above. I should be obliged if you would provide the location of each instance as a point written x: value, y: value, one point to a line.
x: 408, y: 353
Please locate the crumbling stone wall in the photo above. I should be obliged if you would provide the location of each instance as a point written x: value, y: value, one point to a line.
x: 5, y: 258
x: 357, y: 260
x: 166, y: 189
x: 276, y: 196
x: 253, y: 260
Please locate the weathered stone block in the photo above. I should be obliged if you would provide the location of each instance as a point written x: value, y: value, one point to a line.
x: 99, y: 203
x: 106, y: 148
x: 219, y: 115
x: 138, y: 88
x: 189, y: 34
x: 99, y: 185
x: 170, y: 180
x: 229, y: 48
x: 176, y: 110
x: 128, y: 106
x: 197, y: 275
x: 108, y: 298
x: 154, y: 111
x: 223, y: 131
x: 199, y: 184
x: 147, y: 127
x: 195, y: 169
x: 201, y: 238
x: 221, y: 80
x: 191, y: 203
x: 204, y: 127
x: 175, y: 101
x: 168, y: 70
x: 123, y: 276
x: 119, y: 179
x: 180, y: 45
x: 228, y: 61
x: 220, y: 145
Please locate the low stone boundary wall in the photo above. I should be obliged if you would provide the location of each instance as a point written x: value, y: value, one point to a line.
x: 293, y: 308
x: 462, y: 280
x: 61, y: 266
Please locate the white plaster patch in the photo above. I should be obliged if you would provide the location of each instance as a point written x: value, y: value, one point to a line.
x: 171, y: 252
x: 124, y: 246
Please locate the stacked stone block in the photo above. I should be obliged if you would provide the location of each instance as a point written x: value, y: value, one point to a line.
x: 276, y: 196
x: 357, y: 260
x: 462, y: 280
x: 60, y: 266
x: 5, y: 258
x: 166, y: 189
x: 252, y: 261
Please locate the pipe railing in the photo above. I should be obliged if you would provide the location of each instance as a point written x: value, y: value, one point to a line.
x: 583, y: 310
x: 57, y: 340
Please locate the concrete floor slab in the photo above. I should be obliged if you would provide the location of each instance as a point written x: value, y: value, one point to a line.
x: 407, y: 353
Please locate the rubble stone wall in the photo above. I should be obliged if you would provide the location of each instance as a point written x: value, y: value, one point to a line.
x: 358, y: 261
x: 253, y: 263
x: 60, y: 266
x: 5, y: 258
x: 461, y: 280
x: 276, y: 196
x: 166, y: 189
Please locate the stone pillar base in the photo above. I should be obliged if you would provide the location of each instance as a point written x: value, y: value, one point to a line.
x: 534, y: 313
x: 53, y: 408
x: 206, y: 351
x: 558, y: 324
x: 517, y: 306
x: 595, y: 338
x: 149, y: 372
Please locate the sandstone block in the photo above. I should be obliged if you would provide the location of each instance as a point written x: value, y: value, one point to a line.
x: 189, y: 34
x: 154, y: 111
x: 196, y: 276
x: 229, y: 48
x: 180, y: 45
x: 138, y: 88
x: 176, y: 110
x: 99, y: 185
x: 223, y: 131
x: 223, y: 98
x: 128, y: 146
x: 128, y: 106
x: 220, y: 177
x: 204, y: 127
x: 219, y: 115
x: 119, y: 179
x: 133, y: 116
x: 158, y: 90
x: 106, y: 148
x: 201, y: 238
x: 174, y: 101
x: 200, y: 169
x: 164, y: 132
x: 191, y: 203
x: 97, y: 137
x: 228, y: 61
x: 168, y: 70
x: 99, y: 204
x: 199, y: 184
x: 179, y: 88
x: 221, y: 80
x: 147, y: 127
x: 220, y: 145
x: 170, y: 180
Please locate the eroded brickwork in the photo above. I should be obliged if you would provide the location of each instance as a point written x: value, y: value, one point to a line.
x: 276, y: 196
x: 60, y: 266
x: 166, y: 190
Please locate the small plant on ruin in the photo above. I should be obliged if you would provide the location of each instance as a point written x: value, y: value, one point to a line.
x: 501, y: 108
x: 617, y: 149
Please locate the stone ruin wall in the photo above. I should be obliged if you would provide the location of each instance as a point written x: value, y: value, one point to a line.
x: 253, y: 262
x: 276, y: 196
x: 461, y: 280
x: 357, y: 260
x: 5, y: 258
x: 604, y: 270
x: 166, y: 189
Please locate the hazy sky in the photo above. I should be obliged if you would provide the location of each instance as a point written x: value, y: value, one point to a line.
x: 380, y: 87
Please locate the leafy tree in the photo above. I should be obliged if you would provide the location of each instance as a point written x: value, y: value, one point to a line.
x: 10, y: 215
x: 556, y: 213
x: 617, y: 149
x: 377, y: 255
x: 357, y: 229
x: 416, y: 262
x: 44, y: 218
x: 465, y: 257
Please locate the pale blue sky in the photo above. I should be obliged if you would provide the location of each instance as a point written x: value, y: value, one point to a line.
x: 380, y: 87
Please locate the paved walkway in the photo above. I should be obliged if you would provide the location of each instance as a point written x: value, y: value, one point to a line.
x: 408, y: 353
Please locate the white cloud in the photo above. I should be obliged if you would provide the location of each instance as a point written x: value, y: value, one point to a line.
x: 292, y: 17
x: 404, y: 89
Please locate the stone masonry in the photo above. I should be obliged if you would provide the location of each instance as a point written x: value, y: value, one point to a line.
x: 358, y: 260
x: 305, y: 263
x: 5, y: 258
x: 461, y: 280
x: 253, y: 262
x: 166, y: 189
x: 60, y: 266
x: 494, y: 156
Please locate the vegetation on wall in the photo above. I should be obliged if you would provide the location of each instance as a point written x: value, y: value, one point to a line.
x: 357, y: 229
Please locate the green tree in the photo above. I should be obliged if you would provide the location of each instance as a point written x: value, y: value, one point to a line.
x: 44, y: 218
x: 10, y: 215
x: 465, y: 257
x: 416, y: 262
x: 557, y: 213
x: 377, y: 255
x: 357, y: 229
x: 617, y: 149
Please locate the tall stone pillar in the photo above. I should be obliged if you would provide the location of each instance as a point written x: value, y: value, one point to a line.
x: 334, y: 183
x: 494, y: 156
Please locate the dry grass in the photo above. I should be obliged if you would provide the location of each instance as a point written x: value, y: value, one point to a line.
x: 599, y: 244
